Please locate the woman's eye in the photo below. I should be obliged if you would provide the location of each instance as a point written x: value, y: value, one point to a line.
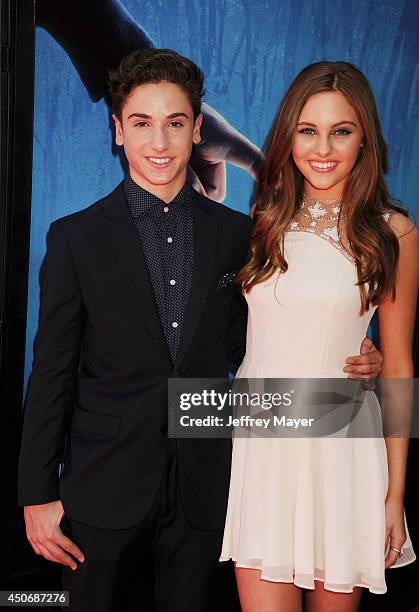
x: 307, y: 130
x: 342, y: 132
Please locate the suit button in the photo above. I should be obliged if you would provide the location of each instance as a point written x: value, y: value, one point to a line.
x: 164, y: 429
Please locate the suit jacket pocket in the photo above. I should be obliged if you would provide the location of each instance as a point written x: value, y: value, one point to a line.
x: 97, y: 423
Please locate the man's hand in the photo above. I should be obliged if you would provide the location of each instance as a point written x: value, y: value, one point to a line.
x: 220, y: 143
x: 45, y: 536
x: 367, y: 365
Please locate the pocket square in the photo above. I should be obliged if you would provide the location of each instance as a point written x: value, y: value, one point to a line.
x: 225, y: 280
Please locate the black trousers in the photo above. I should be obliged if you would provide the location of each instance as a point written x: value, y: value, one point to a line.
x: 162, y: 564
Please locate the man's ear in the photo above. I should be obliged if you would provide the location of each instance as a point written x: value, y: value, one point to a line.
x: 197, y: 129
x: 119, y: 134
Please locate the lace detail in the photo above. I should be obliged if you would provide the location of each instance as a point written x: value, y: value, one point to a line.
x: 324, y: 219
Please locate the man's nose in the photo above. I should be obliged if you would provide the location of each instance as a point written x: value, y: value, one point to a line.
x: 159, y: 140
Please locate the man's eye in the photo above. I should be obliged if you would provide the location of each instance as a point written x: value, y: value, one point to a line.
x: 175, y: 124
x: 307, y: 130
x: 140, y: 124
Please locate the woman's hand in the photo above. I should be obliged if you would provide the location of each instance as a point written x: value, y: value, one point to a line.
x: 395, y: 529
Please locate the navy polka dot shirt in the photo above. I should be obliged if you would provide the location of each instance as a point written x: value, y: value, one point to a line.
x: 166, y: 232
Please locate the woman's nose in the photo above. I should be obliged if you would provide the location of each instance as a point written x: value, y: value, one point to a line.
x: 323, y: 146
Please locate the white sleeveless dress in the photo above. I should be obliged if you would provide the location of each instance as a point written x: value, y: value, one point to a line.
x: 305, y: 509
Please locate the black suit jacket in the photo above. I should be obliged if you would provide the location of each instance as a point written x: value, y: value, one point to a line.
x: 99, y: 380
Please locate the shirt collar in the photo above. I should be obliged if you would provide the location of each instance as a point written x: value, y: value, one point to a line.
x: 142, y: 202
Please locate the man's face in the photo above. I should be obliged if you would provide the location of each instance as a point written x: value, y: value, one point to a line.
x: 157, y: 130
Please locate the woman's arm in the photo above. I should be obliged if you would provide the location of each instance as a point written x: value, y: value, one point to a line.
x: 396, y: 323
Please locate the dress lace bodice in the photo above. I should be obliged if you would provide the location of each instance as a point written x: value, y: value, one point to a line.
x: 324, y: 218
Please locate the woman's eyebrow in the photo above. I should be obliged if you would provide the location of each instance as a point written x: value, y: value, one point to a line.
x: 334, y: 125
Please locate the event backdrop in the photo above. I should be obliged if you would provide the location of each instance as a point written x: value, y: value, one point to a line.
x: 250, y: 52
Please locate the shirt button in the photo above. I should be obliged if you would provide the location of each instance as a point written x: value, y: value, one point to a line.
x: 170, y: 240
x: 166, y: 209
x: 174, y: 324
x: 173, y: 282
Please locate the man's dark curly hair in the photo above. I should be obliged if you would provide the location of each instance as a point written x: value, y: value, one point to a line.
x: 154, y: 66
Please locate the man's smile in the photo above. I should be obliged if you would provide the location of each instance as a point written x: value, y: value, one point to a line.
x: 160, y: 162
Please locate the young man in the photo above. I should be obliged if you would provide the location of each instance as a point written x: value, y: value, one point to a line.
x: 134, y: 291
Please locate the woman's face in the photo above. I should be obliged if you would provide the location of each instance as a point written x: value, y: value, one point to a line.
x: 326, y: 144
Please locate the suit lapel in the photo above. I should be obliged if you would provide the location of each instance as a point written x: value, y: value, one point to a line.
x: 205, y: 238
x: 125, y: 243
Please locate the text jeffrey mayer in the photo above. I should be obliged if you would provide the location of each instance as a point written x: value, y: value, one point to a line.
x: 246, y: 420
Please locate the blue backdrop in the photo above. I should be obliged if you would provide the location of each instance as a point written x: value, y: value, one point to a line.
x: 249, y: 52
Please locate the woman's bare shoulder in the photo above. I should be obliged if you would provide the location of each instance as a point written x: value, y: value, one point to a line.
x: 401, y: 225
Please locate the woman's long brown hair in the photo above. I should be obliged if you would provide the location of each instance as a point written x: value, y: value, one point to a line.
x: 280, y: 186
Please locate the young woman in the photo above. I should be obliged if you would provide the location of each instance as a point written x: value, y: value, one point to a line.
x: 323, y: 516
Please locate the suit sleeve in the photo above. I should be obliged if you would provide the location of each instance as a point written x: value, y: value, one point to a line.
x: 238, y: 311
x: 51, y: 390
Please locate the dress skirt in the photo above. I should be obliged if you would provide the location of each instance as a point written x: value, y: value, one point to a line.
x: 307, y: 509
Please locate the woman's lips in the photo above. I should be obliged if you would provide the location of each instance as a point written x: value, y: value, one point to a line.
x: 323, y: 167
